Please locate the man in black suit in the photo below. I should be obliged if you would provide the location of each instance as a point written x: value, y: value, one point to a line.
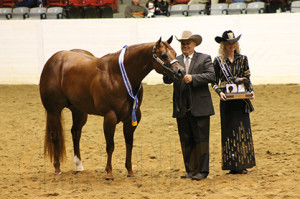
x: 192, y: 106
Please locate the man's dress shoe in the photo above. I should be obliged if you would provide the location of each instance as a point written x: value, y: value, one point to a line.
x: 189, y: 175
x: 199, y: 177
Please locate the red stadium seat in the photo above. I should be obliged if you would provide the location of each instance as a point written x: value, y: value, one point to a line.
x: 114, y: 5
x: 7, y: 3
x: 99, y: 2
x: 109, y: 2
x: 56, y: 3
x: 181, y: 1
x: 77, y: 3
x: 94, y: 2
x: 85, y: 8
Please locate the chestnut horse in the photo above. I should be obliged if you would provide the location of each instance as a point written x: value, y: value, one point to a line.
x: 89, y: 85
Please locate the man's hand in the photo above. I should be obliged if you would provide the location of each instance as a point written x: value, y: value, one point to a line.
x: 187, y: 78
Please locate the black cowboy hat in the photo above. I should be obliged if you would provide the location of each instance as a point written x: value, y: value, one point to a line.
x: 227, y: 36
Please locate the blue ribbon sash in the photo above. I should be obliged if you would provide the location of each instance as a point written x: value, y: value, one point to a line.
x: 128, y: 85
x: 225, y: 70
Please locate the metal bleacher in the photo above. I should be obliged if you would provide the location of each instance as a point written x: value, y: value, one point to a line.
x: 295, y: 6
x: 219, y: 9
x: 37, y: 13
x: 20, y: 13
x: 197, y: 9
x: 256, y: 8
x: 55, y: 13
x: 179, y: 10
x: 5, y: 13
x: 236, y: 8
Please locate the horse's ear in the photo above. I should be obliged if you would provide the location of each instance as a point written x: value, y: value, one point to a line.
x: 170, y: 39
x: 158, y: 42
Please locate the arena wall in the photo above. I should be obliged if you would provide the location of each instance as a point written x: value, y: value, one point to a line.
x: 271, y: 42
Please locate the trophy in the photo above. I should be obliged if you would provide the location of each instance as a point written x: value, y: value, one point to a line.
x: 237, y: 90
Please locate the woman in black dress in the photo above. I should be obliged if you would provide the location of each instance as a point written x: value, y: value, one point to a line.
x: 237, y: 143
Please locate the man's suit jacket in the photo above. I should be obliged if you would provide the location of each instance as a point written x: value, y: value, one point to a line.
x: 195, y: 96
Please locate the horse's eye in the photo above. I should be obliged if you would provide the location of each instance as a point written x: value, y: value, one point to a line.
x: 164, y: 56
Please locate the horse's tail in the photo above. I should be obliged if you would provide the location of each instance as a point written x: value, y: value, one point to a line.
x: 54, y: 138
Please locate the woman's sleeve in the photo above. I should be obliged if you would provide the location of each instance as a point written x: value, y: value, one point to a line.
x: 247, y: 74
x: 215, y: 84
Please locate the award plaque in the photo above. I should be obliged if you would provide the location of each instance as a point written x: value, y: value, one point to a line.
x: 234, y: 96
x: 237, y: 91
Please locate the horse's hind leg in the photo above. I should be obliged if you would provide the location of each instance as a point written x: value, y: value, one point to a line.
x: 79, y: 120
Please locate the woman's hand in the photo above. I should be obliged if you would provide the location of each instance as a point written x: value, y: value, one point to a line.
x: 240, y: 80
x: 222, y: 96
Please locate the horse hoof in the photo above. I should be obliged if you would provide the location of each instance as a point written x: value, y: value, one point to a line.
x: 78, y: 163
x: 109, y: 179
x: 57, y: 173
x: 130, y: 175
x: 79, y: 170
x: 76, y: 172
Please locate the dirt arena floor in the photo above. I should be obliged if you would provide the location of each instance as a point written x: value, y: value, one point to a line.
x: 157, y: 158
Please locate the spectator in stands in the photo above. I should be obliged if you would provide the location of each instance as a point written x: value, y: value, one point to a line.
x: 161, y: 7
x: 27, y: 3
x: 275, y: 5
x: 135, y: 10
x: 157, y: 7
x: 151, y: 8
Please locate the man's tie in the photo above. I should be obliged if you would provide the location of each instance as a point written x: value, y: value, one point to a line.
x: 187, y: 64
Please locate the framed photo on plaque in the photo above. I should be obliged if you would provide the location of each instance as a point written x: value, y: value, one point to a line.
x: 237, y: 91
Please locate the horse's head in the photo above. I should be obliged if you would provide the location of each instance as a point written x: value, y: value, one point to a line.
x: 165, y: 60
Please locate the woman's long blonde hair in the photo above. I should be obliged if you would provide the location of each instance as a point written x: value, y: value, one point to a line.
x: 222, y: 51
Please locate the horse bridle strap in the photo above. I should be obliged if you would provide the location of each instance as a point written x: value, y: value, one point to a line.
x: 167, y: 65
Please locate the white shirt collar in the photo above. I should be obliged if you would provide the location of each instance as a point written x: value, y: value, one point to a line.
x: 190, y: 57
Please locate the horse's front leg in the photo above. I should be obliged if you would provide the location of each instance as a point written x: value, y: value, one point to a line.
x: 109, y: 126
x: 128, y: 131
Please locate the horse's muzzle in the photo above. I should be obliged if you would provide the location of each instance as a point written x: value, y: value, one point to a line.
x: 175, y: 73
x: 180, y: 74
